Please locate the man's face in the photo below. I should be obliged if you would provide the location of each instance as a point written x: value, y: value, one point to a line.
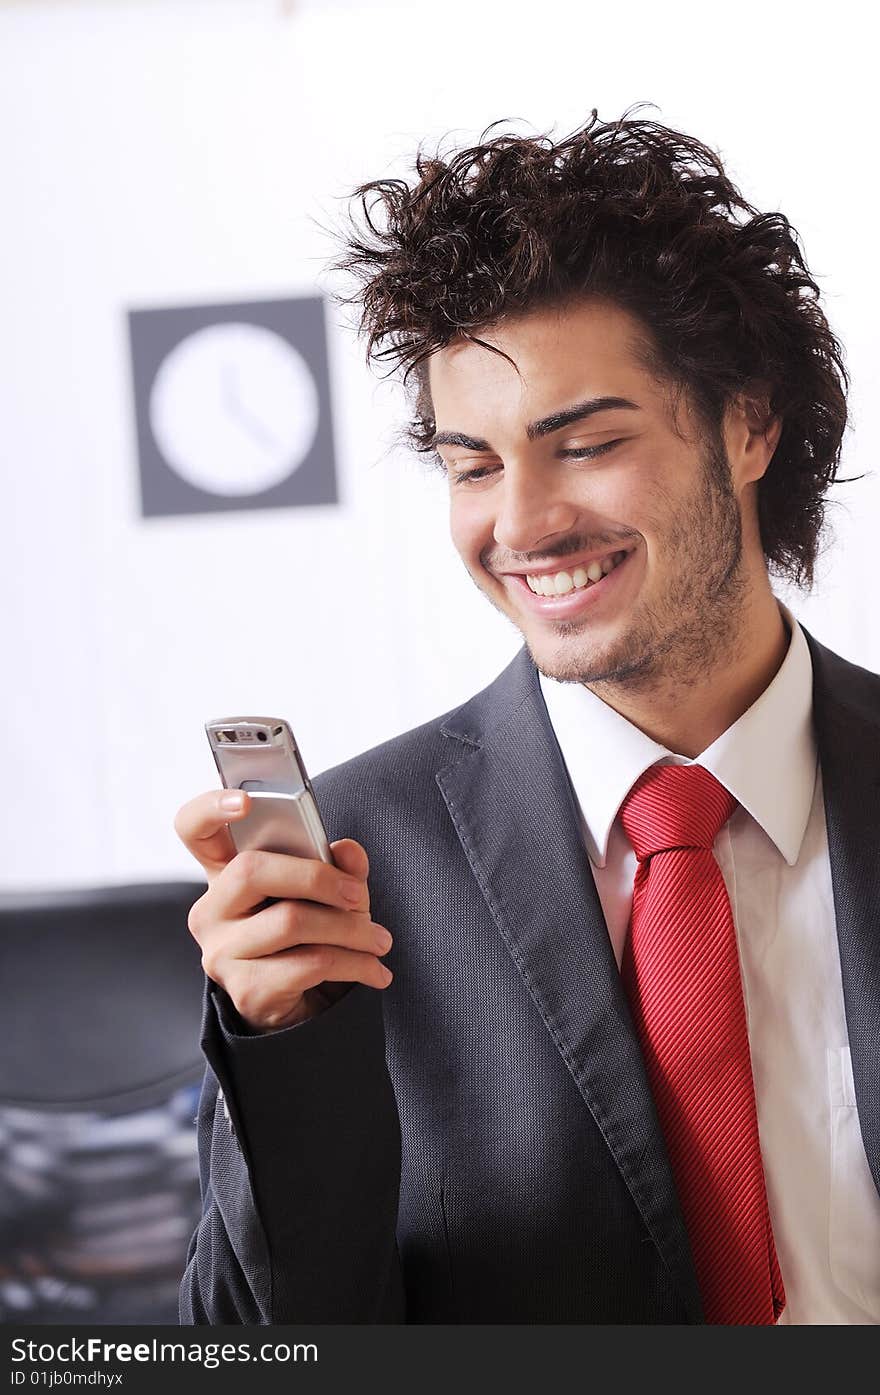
x: 532, y: 510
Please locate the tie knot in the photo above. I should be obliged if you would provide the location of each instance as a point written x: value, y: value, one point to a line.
x: 675, y: 806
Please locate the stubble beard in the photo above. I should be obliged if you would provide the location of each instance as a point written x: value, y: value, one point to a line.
x: 691, y: 628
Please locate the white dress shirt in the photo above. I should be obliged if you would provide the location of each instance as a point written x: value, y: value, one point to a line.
x: 773, y: 854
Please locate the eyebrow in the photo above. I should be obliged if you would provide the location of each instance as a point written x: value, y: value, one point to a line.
x: 536, y: 429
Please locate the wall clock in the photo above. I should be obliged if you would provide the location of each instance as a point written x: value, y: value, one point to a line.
x: 232, y: 406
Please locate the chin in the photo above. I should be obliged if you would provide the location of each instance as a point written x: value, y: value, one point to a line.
x: 576, y: 659
x: 567, y: 660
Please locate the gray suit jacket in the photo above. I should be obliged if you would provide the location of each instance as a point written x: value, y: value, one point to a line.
x: 479, y: 1143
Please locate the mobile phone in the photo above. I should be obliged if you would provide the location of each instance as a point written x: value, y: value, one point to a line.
x: 260, y: 755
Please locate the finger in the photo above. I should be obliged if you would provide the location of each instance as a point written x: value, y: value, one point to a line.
x: 271, y: 987
x: 287, y: 924
x: 351, y: 857
x: 245, y: 883
x: 201, y: 825
x: 332, y: 964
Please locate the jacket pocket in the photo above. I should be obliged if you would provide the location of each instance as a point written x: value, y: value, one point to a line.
x: 452, y: 1299
x: 854, y: 1204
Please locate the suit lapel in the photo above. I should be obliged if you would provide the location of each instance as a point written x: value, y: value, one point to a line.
x: 511, y: 802
x: 847, y: 719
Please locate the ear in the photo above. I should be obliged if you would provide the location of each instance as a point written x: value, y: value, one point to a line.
x: 754, y: 432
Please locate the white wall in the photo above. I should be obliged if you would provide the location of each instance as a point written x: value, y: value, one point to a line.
x: 172, y: 152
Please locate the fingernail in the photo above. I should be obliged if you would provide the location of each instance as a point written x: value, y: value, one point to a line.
x: 352, y: 891
x: 384, y: 940
x: 231, y: 802
x: 388, y: 974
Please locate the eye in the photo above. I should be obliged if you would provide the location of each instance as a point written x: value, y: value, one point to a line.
x: 480, y: 472
x: 587, y: 452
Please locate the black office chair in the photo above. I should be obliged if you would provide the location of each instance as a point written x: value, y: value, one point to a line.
x: 99, y: 1080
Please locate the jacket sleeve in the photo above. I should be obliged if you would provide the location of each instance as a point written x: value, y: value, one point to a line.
x: 299, y: 1153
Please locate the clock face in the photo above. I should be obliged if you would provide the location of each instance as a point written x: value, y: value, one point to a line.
x: 234, y: 408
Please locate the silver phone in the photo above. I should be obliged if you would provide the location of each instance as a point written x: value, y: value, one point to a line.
x: 260, y: 755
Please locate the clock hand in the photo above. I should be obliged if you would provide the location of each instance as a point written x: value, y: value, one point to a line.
x: 255, y: 428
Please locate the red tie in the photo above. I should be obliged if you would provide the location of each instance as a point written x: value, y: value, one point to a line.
x: 681, y: 973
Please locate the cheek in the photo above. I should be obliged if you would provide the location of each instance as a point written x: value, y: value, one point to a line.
x: 470, y: 528
x: 645, y: 506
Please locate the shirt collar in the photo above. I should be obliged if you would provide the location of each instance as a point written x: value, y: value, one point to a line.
x: 767, y: 759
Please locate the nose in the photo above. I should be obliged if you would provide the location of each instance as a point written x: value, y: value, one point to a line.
x: 530, y: 510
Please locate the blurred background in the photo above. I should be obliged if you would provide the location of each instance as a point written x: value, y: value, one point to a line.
x: 205, y: 511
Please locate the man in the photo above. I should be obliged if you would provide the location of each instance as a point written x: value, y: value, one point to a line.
x: 626, y: 1068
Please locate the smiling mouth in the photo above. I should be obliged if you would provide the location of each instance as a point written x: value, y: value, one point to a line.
x: 573, y: 579
x: 565, y: 593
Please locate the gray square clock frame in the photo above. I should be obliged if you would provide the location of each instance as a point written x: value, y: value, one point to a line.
x: 156, y: 333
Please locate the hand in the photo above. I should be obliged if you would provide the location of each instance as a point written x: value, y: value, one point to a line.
x: 288, y: 961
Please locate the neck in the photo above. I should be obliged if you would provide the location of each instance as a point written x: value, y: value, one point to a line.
x: 687, y: 716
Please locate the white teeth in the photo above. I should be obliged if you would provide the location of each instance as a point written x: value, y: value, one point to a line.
x: 562, y: 582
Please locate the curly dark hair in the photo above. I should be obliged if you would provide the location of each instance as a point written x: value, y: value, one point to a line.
x: 643, y: 216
